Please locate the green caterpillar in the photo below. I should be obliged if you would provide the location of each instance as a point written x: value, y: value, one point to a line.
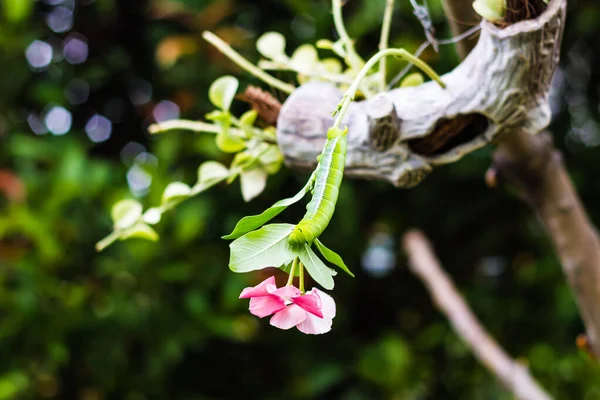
x: 329, y: 174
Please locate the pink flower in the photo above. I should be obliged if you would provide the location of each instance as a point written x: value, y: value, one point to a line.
x: 312, y: 313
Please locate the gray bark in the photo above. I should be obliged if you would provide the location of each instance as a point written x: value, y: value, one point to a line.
x: 505, y: 79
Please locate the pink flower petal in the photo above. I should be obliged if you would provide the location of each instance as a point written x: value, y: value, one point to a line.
x: 309, y: 302
x: 286, y: 291
x: 327, y: 303
x: 313, y: 325
x: 288, y: 317
x: 258, y: 290
x: 262, y: 306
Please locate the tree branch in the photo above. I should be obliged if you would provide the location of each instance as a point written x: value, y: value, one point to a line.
x: 513, y: 375
x: 502, y: 85
x: 536, y: 169
x: 533, y: 165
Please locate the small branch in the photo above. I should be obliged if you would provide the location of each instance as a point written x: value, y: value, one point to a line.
x: 513, y: 375
x: 183, y: 124
x: 384, y: 40
x: 536, y: 169
x: 461, y: 17
x: 245, y: 64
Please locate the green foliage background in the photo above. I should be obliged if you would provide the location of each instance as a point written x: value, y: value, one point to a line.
x: 162, y: 320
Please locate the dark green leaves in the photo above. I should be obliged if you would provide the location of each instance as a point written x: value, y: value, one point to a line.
x: 322, y: 274
x: 266, y: 247
x: 332, y: 257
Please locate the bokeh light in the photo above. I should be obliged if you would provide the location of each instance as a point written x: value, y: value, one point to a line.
x: 139, y: 180
x: 98, y: 128
x: 60, y: 19
x: 58, y: 120
x: 77, y: 91
x: 39, y: 54
x: 75, y: 49
x: 140, y: 92
x: 165, y: 110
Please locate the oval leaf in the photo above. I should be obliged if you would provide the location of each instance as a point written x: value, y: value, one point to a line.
x: 253, y: 182
x: 316, y: 268
x: 252, y: 222
x: 305, y: 58
x: 332, y: 257
x: 247, y: 119
x: 125, y: 213
x: 222, y: 91
x: 266, y: 247
x: 414, y: 79
x: 229, y: 143
x: 271, y: 159
x: 152, y: 216
x: 271, y: 45
x: 212, y: 171
x: 140, y: 231
x: 492, y: 10
x: 175, y: 190
x: 332, y: 65
x: 324, y: 44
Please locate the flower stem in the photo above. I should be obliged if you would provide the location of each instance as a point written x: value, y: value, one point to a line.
x: 384, y: 40
x: 245, y: 64
x: 292, y: 272
x: 301, y: 272
x: 342, y: 107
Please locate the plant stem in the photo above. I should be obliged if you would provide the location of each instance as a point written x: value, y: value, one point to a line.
x: 196, y: 126
x: 107, y: 241
x: 351, y: 92
x: 353, y: 58
x: 292, y: 272
x: 245, y: 64
x: 301, y: 272
x: 384, y: 40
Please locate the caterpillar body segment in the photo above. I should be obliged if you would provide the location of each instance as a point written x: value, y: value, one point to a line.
x: 329, y: 174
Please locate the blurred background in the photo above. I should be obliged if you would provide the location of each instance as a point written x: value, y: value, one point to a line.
x: 81, y: 80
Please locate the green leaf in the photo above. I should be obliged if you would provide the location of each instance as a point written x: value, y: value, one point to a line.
x: 316, y: 268
x: 152, y: 216
x: 414, y: 79
x: 271, y: 45
x: 266, y: 247
x: 125, y: 213
x: 253, y: 182
x: 324, y: 44
x: 332, y: 65
x: 222, y: 91
x: 305, y: 58
x: 229, y: 143
x: 175, y: 191
x: 210, y: 171
x: 492, y: 10
x: 271, y: 159
x: 252, y: 222
x: 332, y: 257
x: 140, y: 231
x: 248, y: 118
